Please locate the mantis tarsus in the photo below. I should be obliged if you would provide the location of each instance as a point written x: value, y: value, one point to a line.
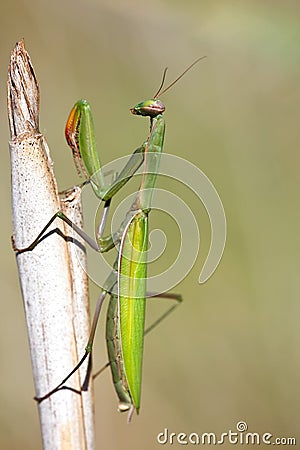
x: 126, y: 311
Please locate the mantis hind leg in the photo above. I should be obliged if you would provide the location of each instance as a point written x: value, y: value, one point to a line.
x: 87, y: 353
x: 177, y: 297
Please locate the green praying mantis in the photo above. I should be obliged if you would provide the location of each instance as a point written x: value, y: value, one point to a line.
x: 126, y: 285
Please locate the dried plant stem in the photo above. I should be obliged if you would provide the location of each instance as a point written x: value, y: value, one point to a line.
x: 49, y: 275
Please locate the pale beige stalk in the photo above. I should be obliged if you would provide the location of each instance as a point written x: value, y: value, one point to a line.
x: 48, y: 280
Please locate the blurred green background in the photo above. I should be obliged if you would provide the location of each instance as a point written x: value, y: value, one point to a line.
x: 230, y: 352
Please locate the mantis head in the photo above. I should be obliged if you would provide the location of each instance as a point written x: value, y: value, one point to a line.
x: 154, y: 107
x: 151, y: 108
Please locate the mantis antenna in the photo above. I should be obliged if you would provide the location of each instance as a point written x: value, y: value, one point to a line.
x: 160, y: 91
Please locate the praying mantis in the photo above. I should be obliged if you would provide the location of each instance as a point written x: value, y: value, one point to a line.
x: 126, y: 285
